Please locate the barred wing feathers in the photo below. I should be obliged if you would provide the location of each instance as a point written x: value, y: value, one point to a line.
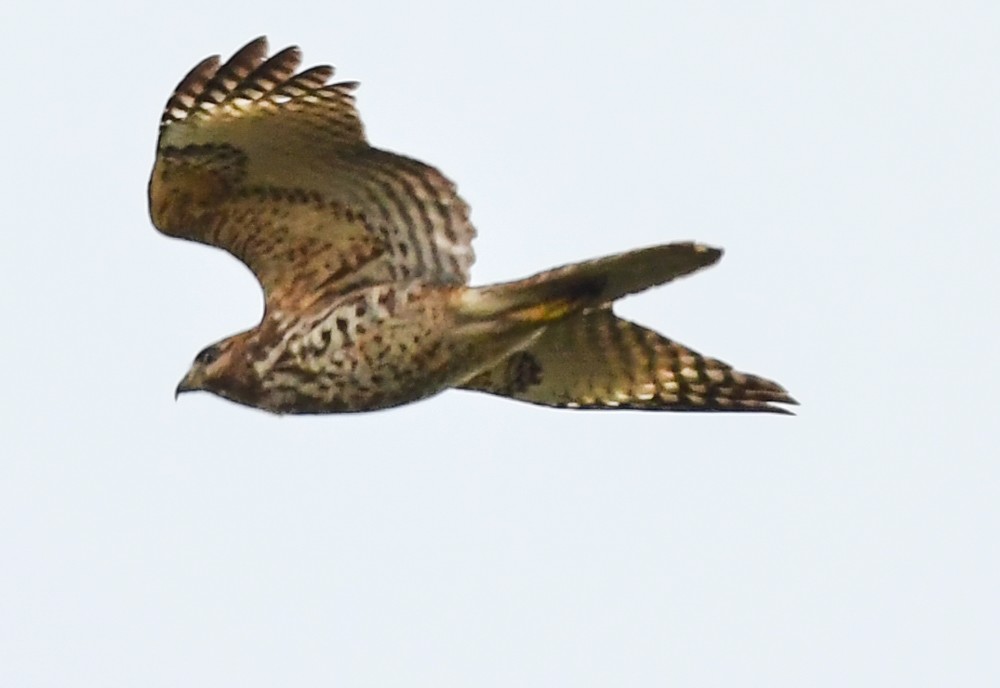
x: 273, y: 166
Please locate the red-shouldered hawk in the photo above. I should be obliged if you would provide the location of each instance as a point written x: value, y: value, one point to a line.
x: 364, y: 259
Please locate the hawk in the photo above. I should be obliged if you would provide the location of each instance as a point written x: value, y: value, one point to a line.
x: 364, y: 258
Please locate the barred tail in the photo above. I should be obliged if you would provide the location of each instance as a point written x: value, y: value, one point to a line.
x: 595, y: 360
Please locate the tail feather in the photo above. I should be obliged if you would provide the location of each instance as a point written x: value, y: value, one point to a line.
x: 575, y: 353
x: 595, y: 360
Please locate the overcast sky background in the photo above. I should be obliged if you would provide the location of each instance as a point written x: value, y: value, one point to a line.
x: 847, y: 157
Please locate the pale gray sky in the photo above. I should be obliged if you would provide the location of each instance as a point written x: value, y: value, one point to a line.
x: 847, y: 157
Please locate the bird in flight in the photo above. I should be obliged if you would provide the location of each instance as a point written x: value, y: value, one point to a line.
x: 364, y: 258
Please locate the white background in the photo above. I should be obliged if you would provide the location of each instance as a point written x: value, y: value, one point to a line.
x: 847, y: 157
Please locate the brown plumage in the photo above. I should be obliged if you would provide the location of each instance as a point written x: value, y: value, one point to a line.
x: 364, y: 259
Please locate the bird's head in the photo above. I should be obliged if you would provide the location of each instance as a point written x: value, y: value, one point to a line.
x: 222, y: 368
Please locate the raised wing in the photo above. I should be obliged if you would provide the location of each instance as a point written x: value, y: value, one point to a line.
x: 273, y: 166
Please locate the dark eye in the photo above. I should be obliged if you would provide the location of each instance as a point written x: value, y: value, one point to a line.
x: 207, y: 356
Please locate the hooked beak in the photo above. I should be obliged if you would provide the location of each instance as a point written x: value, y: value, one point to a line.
x: 188, y: 384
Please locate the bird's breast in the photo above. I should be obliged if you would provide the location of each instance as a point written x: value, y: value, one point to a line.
x: 376, y: 347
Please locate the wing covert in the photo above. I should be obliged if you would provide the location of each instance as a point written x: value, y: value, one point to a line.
x: 273, y: 166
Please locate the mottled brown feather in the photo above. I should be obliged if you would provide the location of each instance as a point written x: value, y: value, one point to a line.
x: 364, y: 255
x: 595, y: 360
x: 274, y: 167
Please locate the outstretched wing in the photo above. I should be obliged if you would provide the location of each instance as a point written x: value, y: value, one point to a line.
x: 597, y: 360
x: 272, y: 165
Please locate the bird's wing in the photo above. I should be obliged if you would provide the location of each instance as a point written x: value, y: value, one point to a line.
x: 272, y: 165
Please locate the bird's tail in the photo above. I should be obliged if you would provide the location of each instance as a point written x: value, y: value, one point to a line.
x: 553, y: 339
x: 595, y: 360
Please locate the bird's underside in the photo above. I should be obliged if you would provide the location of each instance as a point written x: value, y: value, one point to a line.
x: 364, y: 257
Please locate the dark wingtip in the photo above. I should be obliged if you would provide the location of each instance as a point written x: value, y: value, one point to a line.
x: 712, y: 253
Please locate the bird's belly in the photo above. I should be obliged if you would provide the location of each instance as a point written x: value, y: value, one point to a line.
x: 375, y: 348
